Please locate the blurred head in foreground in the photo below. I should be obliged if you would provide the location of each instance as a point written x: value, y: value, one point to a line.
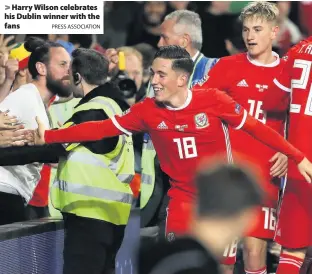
x: 227, y: 198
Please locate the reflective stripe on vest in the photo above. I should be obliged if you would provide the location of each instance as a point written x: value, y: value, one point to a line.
x: 148, y: 172
x: 91, y: 159
x: 96, y: 192
x: 101, y: 102
x: 149, y: 145
x: 62, y: 112
x: 146, y: 179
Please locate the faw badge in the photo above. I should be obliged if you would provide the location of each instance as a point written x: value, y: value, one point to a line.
x: 201, y: 120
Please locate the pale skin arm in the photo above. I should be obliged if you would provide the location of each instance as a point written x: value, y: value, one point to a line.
x: 4, y: 54
x: 11, y: 68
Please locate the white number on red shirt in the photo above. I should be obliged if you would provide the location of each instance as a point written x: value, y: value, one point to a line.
x: 186, y: 147
x: 303, y: 82
x: 256, y: 111
x: 269, y: 218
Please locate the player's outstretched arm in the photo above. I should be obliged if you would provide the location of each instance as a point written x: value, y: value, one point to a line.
x: 236, y: 116
x: 89, y: 131
x: 274, y: 140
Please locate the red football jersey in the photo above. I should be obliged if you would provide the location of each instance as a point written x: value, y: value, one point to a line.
x: 296, y: 79
x: 182, y: 136
x: 247, y: 82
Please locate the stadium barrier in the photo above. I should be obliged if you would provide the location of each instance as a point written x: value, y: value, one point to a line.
x: 36, y: 247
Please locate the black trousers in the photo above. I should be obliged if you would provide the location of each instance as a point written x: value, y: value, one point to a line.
x: 35, y: 212
x: 90, y: 246
x: 12, y: 208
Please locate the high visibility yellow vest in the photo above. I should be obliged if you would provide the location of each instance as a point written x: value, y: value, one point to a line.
x: 201, y: 68
x: 59, y: 114
x: 93, y: 185
x: 148, y: 171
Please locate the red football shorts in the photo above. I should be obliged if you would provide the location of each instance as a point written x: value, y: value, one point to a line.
x: 264, y: 223
x: 179, y: 217
x: 294, y: 227
x: 178, y: 222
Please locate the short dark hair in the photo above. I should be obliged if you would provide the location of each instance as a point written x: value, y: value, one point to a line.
x: 84, y: 40
x: 226, y: 191
x: 181, y: 58
x: 91, y: 65
x: 40, y: 52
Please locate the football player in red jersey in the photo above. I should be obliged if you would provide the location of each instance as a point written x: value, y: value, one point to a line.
x: 246, y: 77
x: 185, y: 126
x: 294, y: 226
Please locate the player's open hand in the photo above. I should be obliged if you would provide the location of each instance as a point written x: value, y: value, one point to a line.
x: 36, y: 137
x: 280, y: 163
x: 305, y: 168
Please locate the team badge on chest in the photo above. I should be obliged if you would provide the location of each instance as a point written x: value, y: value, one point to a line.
x: 201, y: 120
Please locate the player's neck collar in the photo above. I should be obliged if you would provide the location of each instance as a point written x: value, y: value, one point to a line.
x: 187, y: 102
x: 256, y: 63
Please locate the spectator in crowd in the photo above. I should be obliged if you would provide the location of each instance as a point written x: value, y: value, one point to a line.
x: 115, y: 29
x: 305, y: 18
x: 218, y: 25
x: 181, y: 5
x: 73, y: 41
x: 146, y: 27
x: 48, y: 65
x: 134, y: 70
x: 148, y: 53
x: 289, y: 34
x: 226, y: 201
